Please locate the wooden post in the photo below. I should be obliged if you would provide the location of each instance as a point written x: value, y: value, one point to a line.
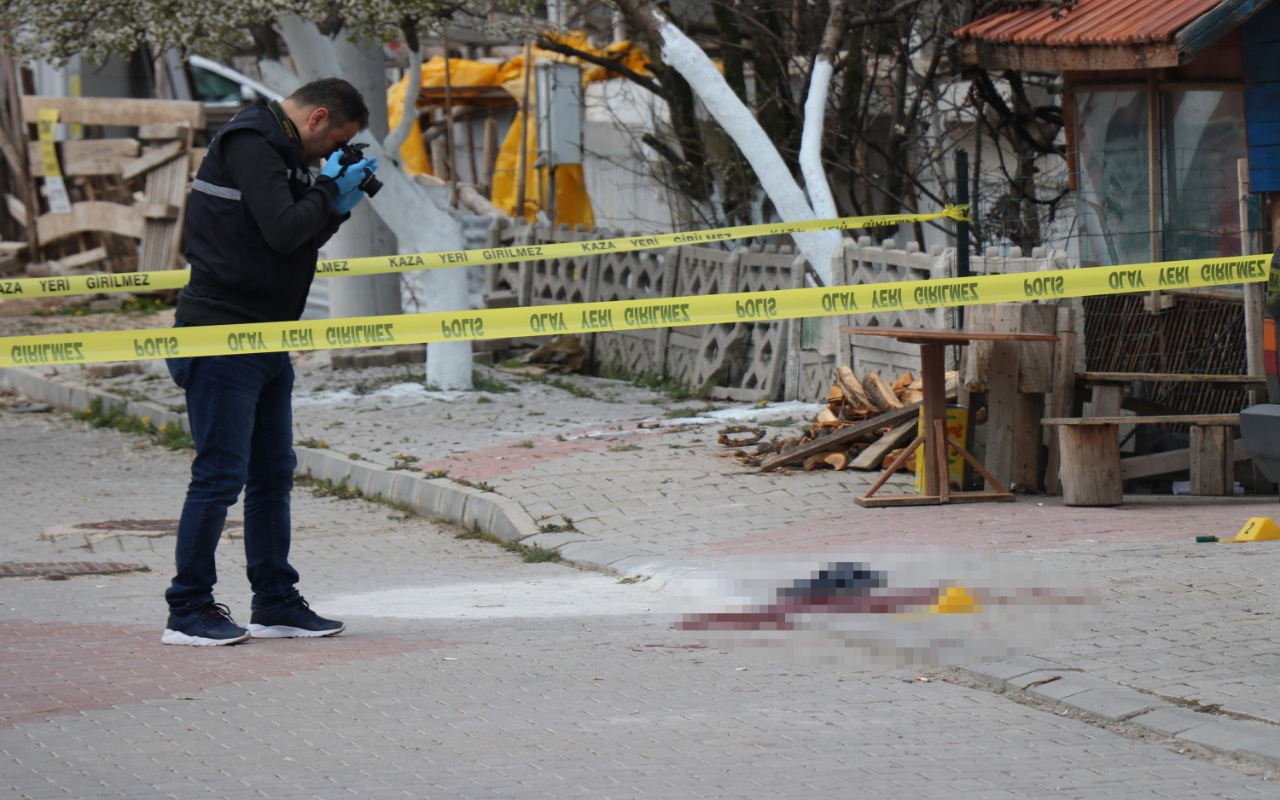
x: 1212, y: 468
x: 1153, y: 177
x: 449, y: 154
x: 490, y: 153
x: 522, y: 163
x: 1090, y: 465
x: 1002, y: 390
x: 1062, y: 396
x: 934, y: 455
x: 1255, y: 294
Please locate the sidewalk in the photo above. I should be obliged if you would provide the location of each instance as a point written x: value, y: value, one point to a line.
x: 618, y: 480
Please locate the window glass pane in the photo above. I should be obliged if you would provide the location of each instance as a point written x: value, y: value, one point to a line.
x: 1203, y: 136
x: 1114, y: 190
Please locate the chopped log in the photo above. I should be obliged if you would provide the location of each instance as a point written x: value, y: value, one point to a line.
x: 835, y: 458
x: 853, y: 391
x: 880, y: 391
x: 841, y: 436
x: 874, y: 454
x: 750, y: 438
x: 1090, y: 465
x: 835, y: 394
x: 909, y: 465
x: 904, y: 380
x: 826, y: 418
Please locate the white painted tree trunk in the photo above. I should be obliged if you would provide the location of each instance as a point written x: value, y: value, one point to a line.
x: 737, y: 120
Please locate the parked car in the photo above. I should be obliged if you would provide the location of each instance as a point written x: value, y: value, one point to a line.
x: 222, y: 90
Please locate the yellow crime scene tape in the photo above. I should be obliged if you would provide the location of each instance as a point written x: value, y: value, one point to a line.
x: 63, y: 286
x: 581, y: 318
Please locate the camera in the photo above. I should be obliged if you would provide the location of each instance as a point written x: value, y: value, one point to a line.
x: 352, y: 154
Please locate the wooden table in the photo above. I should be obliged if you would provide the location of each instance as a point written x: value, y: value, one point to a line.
x: 933, y: 343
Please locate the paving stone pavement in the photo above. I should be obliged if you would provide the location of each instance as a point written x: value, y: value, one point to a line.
x: 1186, y: 626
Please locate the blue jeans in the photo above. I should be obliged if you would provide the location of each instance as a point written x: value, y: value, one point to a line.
x: 242, y: 422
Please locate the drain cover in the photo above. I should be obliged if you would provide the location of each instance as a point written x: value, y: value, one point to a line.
x: 64, y: 569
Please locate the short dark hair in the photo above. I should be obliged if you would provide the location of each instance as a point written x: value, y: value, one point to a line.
x: 342, y: 100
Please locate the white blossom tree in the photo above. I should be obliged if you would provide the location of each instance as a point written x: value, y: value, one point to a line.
x: 405, y: 217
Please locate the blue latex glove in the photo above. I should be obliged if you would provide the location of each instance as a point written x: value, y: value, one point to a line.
x: 351, y: 176
x: 345, y: 202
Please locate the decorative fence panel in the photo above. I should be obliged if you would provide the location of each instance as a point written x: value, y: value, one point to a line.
x: 742, y: 360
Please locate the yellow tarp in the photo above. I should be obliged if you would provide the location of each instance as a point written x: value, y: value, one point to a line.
x: 462, y: 72
x: 572, y: 205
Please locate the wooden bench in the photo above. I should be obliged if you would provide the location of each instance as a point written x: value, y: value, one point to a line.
x: 1108, y: 388
x: 1093, y: 474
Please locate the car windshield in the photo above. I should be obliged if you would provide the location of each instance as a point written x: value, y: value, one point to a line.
x: 209, y: 87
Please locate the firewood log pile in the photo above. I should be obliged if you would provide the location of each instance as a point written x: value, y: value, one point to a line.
x: 863, y: 422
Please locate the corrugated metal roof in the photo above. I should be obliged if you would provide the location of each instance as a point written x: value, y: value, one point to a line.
x: 1091, y: 22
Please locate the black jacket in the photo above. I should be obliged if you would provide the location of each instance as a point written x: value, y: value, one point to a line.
x: 255, y: 223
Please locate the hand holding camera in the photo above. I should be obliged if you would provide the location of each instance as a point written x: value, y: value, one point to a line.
x: 353, y: 173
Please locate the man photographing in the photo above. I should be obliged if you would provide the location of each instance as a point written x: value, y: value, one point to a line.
x: 255, y: 223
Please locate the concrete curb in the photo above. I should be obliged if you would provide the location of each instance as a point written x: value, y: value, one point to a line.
x: 1248, y: 740
x: 432, y: 498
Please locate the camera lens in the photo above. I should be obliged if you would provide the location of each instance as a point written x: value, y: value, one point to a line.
x: 370, y: 185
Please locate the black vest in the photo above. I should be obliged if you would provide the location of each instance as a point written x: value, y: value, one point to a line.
x: 235, y: 275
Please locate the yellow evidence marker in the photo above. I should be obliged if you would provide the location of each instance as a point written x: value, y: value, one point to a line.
x: 956, y: 600
x: 1257, y: 529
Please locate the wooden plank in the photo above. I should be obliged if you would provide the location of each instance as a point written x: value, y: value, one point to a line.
x: 1168, y: 377
x: 11, y: 152
x: 1002, y: 391
x: 1035, y: 359
x: 873, y: 455
x: 1106, y: 400
x: 841, y: 436
x: 1155, y: 464
x: 1260, y: 103
x: 125, y: 111
x: 894, y: 500
x: 1211, y: 465
x: 164, y: 131
x: 978, y: 354
x: 1170, y: 461
x: 1058, y: 58
x: 1158, y: 419
x: 16, y: 209
x: 158, y: 156
x: 1209, y: 27
x: 166, y: 187
x: 160, y: 211
x: 83, y: 259
x: 90, y: 216
x: 86, y: 157
x: 1028, y: 443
